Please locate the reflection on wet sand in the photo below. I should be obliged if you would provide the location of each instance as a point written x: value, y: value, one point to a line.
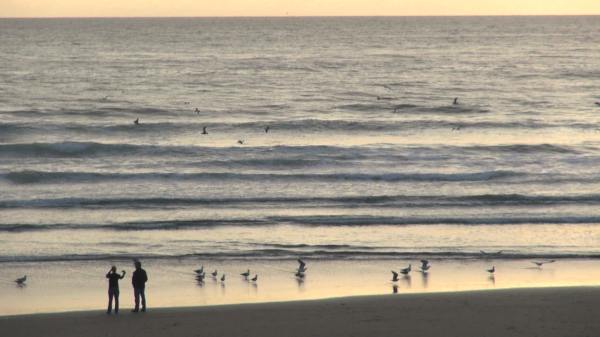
x: 300, y: 284
x: 171, y: 286
x: 407, y: 281
x: 425, y: 280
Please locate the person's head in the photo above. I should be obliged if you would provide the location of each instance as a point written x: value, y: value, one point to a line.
x: 113, y: 269
x: 137, y: 264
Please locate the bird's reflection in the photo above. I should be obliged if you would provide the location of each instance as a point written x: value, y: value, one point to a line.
x: 300, y: 283
x: 394, y: 288
x: 425, y: 280
x: 407, y: 281
x: 492, y: 280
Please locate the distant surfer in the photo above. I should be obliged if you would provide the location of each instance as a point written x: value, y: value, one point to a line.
x: 204, y: 132
x: 455, y: 101
x: 137, y: 121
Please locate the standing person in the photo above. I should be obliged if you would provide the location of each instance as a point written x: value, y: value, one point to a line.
x: 113, y: 288
x: 139, y: 280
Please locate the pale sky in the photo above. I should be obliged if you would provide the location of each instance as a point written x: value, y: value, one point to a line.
x: 97, y: 8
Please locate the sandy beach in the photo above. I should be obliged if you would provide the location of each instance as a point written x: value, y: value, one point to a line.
x: 569, y: 311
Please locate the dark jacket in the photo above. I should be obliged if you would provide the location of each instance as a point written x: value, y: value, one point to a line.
x: 139, y: 279
x: 113, y: 280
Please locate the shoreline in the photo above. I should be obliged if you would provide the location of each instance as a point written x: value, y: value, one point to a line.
x: 126, y: 310
x: 68, y: 287
x: 550, y: 311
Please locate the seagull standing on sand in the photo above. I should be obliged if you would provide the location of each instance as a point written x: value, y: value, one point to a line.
x: 21, y: 280
x: 455, y: 101
x: 246, y: 274
x: 406, y: 270
x: 214, y: 274
x: 136, y: 121
x: 492, y: 271
x: 223, y: 278
x: 255, y: 278
x: 200, y: 271
x: 267, y: 129
x: 425, y: 266
x: 204, y: 132
x: 394, y: 276
x: 241, y: 142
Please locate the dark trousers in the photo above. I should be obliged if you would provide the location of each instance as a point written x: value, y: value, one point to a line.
x: 113, y: 293
x: 137, y: 293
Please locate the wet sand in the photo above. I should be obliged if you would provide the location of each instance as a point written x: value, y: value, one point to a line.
x: 81, y: 286
x: 569, y: 311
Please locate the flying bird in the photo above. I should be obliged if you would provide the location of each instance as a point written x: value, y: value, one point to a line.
x: 541, y: 263
x: 394, y: 276
x: 302, y: 266
x: 492, y: 253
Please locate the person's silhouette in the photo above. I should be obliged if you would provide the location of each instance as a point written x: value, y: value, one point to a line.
x: 113, y: 288
x: 139, y: 280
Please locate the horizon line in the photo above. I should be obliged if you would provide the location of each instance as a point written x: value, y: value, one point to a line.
x: 299, y: 16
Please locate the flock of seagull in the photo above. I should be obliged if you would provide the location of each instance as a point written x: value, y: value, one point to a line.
x: 201, y: 274
x: 425, y: 266
x: 204, y: 128
x: 300, y: 272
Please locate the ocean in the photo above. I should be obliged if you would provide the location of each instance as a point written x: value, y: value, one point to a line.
x: 365, y: 157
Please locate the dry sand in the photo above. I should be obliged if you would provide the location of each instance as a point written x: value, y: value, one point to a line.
x: 546, y: 312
